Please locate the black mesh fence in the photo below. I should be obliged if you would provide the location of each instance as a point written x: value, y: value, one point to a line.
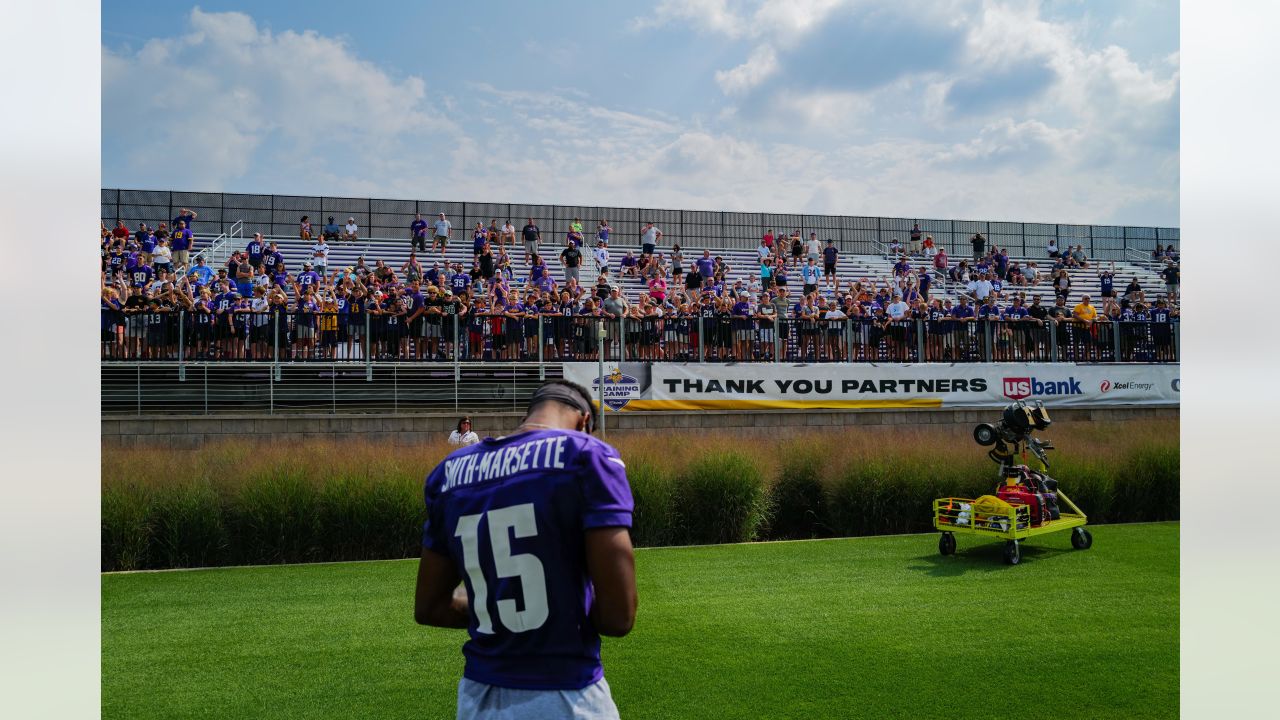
x: 282, y: 215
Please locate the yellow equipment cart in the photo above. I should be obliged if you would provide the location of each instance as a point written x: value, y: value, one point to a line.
x: 990, y: 516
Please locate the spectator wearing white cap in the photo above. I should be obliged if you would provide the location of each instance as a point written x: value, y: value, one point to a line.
x: 351, y: 232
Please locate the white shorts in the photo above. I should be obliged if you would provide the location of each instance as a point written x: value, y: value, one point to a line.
x: 478, y: 700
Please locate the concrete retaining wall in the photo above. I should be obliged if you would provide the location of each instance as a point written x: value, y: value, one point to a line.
x: 192, y: 431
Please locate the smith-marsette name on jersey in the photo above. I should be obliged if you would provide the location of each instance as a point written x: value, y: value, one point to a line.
x: 541, y: 454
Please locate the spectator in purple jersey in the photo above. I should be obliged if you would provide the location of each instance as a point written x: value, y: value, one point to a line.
x: 181, y: 243
x: 308, y: 277
x: 563, y: 497
x: 418, y: 234
x: 256, y: 249
x: 628, y: 266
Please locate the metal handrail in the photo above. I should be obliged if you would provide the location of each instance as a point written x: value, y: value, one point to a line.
x: 1139, y: 258
x: 208, y: 252
x: 215, y: 253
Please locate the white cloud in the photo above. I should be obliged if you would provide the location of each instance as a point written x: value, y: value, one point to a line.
x: 205, y: 108
x: 778, y: 20
x: 711, y: 15
x: 1007, y: 136
x: 238, y: 104
x: 762, y: 63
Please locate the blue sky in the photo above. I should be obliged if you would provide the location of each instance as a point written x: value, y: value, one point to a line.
x: 1051, y: 111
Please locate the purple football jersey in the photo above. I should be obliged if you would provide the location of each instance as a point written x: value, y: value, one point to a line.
x: 511, y: 513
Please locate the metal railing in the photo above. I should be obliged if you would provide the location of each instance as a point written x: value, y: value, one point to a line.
x: 219, y: 250
x: 289, y: 337
x: 222, y: 388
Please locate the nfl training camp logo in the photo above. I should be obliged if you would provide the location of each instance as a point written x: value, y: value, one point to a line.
x: 619, y: 389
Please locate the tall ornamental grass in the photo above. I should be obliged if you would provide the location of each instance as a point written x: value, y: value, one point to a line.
x: 324, y: 500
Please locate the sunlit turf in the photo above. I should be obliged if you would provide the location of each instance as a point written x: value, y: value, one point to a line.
x: 876, y: 627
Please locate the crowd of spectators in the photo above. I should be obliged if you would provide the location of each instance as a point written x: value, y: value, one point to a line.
x: 159, y: 304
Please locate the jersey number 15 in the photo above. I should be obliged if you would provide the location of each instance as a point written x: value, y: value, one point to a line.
x: 527, y: 567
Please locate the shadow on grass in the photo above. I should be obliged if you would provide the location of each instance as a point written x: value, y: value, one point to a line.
x: 984, y: 557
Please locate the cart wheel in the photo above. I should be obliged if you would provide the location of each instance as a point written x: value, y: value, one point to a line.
x: 1012, y: 553
x: 1081, y: 539
x: 947, y: 544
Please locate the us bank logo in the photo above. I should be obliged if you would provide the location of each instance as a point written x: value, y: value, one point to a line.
x: 619, y: 389
x: 1018, y: 388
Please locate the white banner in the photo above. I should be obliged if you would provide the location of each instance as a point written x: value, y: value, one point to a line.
x: 748, y: 386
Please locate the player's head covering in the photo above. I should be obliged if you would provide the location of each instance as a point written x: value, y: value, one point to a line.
x: 567, y: 393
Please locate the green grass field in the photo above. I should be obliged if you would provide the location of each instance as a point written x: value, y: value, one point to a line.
x: 876, y: 627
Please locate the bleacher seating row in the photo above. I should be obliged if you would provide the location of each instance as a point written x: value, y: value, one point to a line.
x: 743, y: 264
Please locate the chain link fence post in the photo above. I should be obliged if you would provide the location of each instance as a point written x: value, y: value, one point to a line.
x: 182, y: 324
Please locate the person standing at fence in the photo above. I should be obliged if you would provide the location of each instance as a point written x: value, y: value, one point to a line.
x: 575, y: 232
x: 531, y: 236
x: 443, y: 229
x: 649, y: 238
x: 418, y: 234
x: 979, y: 246
x: 813, y: 249
x: 415, y: 318
x: 830, y: 256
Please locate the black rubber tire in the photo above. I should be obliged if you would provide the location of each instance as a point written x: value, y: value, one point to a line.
x: 1012, y: 553
x: 1081, y: 539
x: 984, y: 434
x: 947, y: 544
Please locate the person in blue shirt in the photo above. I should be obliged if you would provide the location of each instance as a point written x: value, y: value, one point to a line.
x: 536, y: 527
x: 812, y: 275
x: 146, y: 246
x: 202, y: 272
x: 331, y: 231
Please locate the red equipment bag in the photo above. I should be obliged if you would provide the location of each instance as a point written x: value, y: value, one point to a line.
x: 1017, y: 491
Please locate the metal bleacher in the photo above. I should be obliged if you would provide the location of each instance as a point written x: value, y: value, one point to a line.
x: 743, y: 265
